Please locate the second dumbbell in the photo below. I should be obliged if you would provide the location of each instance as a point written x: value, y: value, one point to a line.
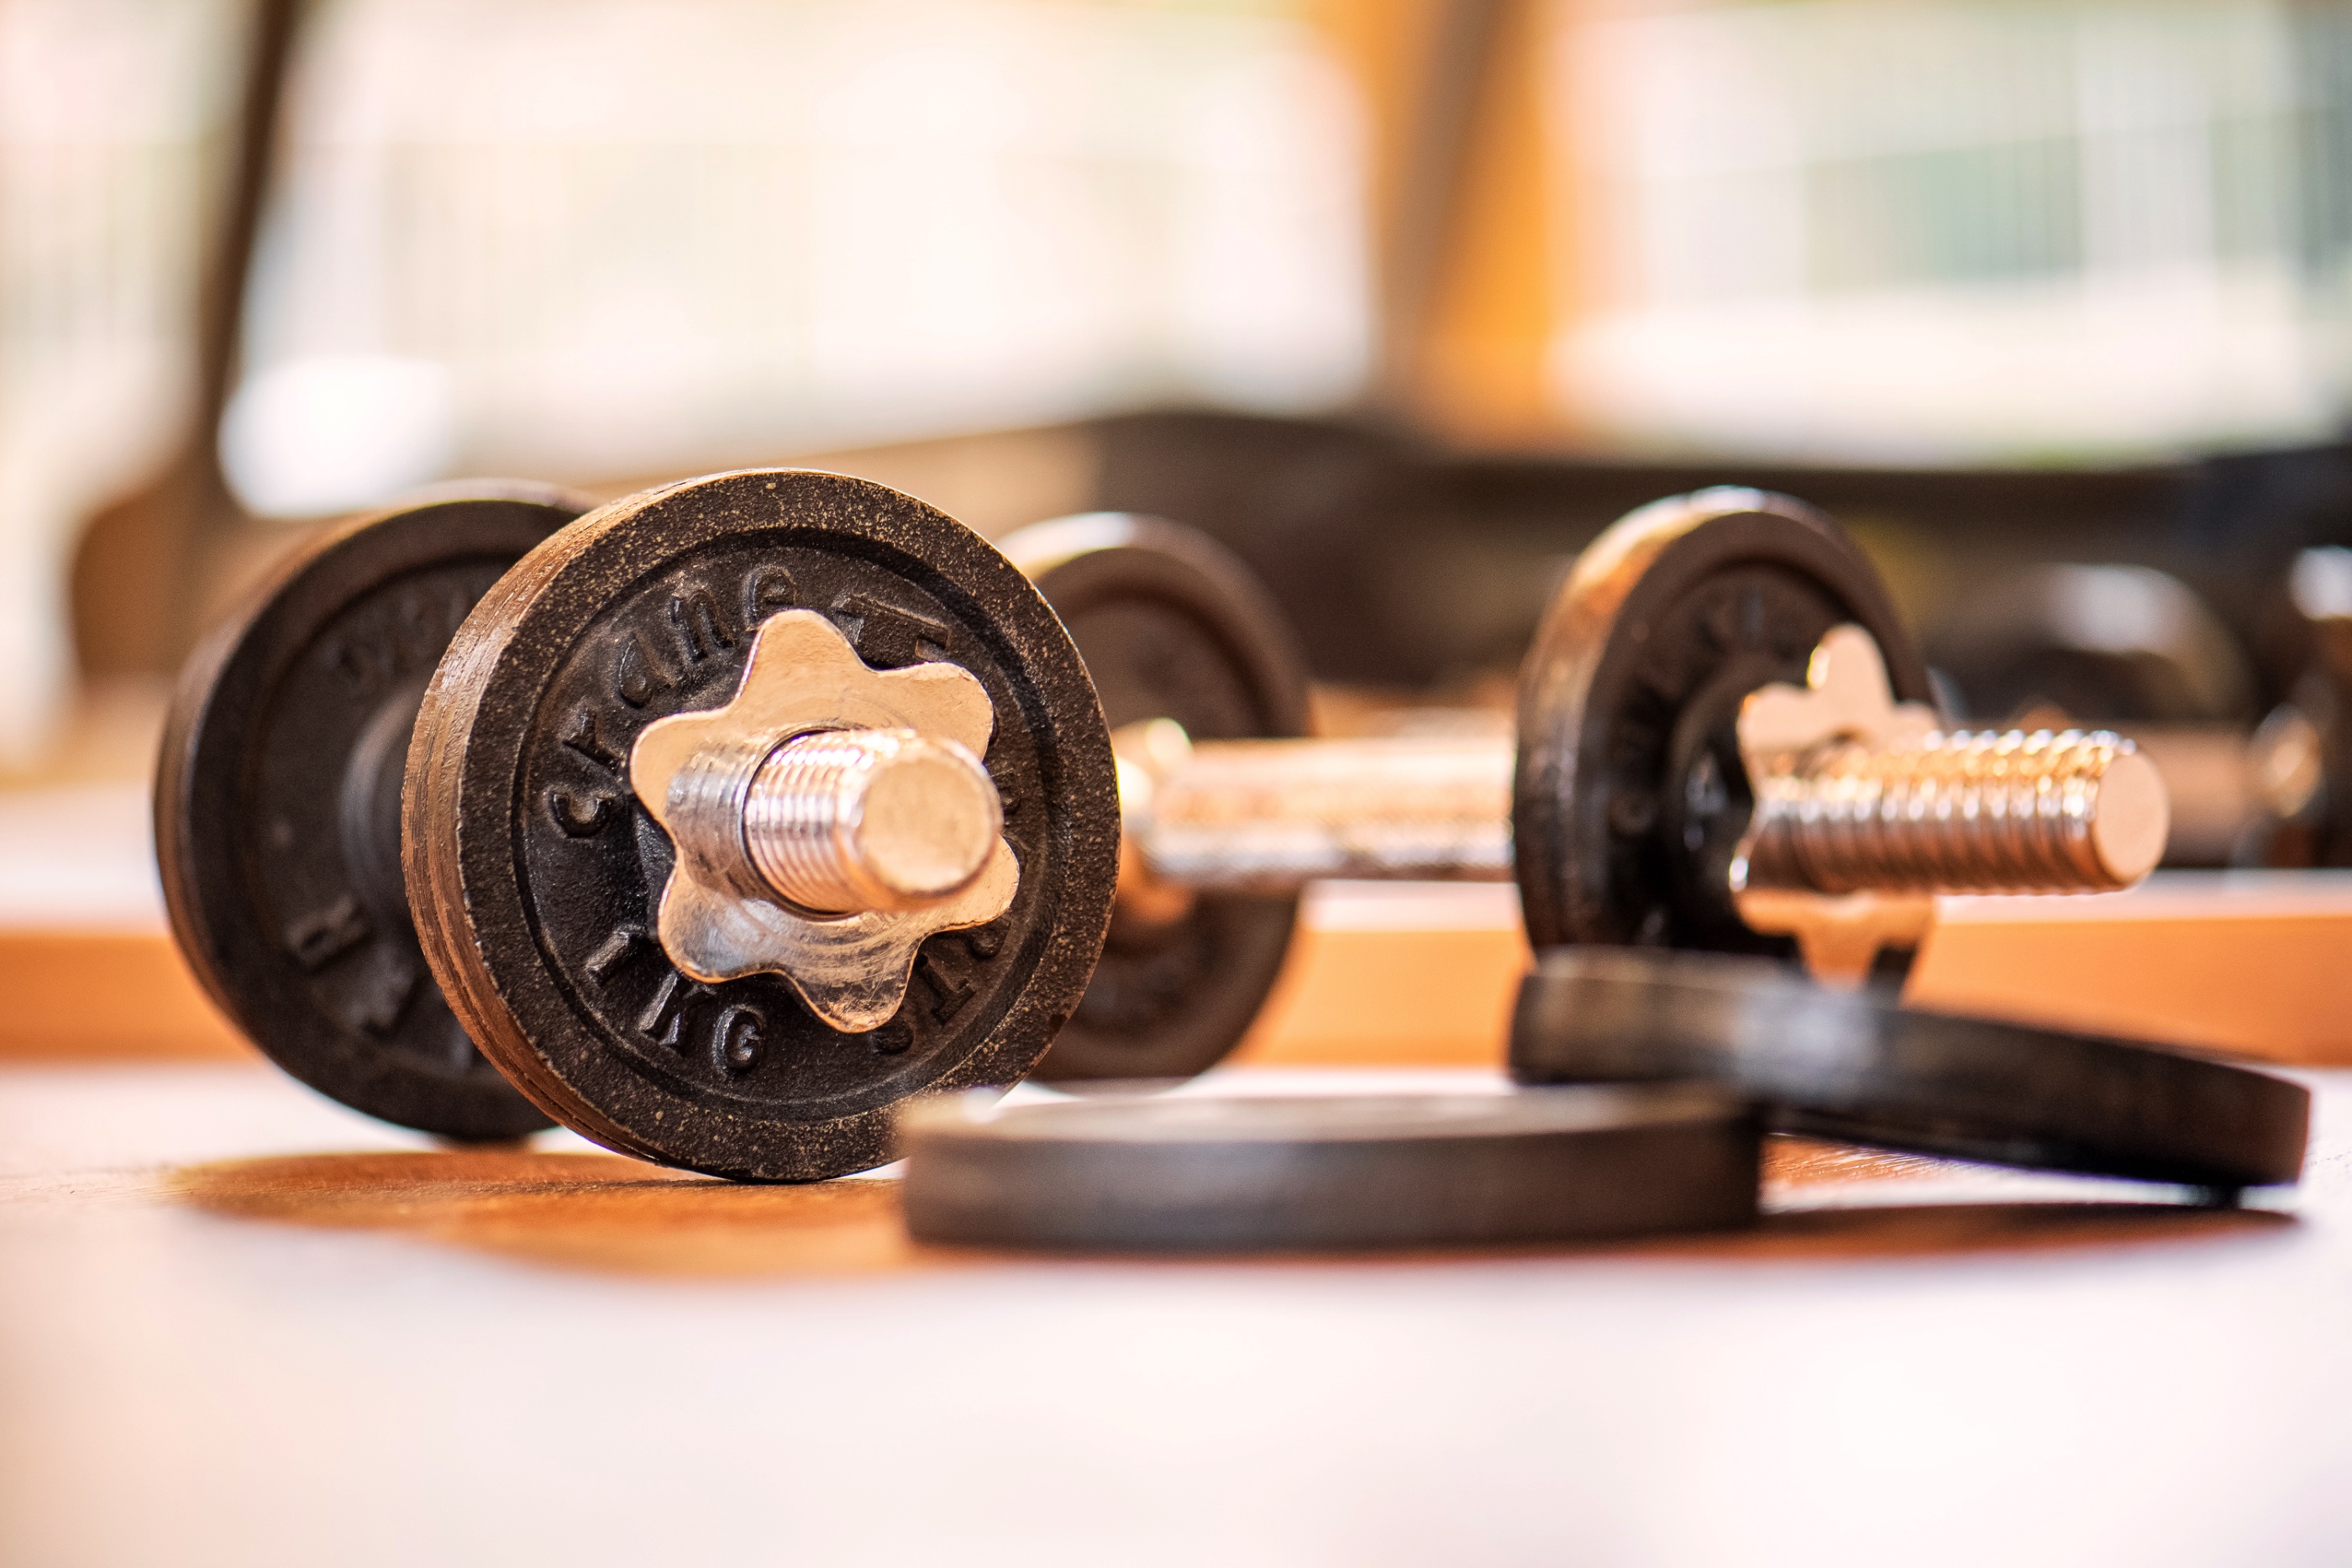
x: 1724, y: 744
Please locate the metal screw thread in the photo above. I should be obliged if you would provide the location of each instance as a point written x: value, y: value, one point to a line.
x: 843, y: 820
x: 1962, y: 812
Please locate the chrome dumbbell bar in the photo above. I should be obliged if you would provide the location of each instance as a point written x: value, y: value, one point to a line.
x: 1865, y: 811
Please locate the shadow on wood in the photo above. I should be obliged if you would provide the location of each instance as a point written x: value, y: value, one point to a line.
x: 602, y: 1212
x: 608, y: 1214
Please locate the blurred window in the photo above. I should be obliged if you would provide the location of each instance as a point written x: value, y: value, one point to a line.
x: 1930, y: 232
x: 110, y: 117
x: 611, y: 239
x: 113, y: 114
x: 590, y: 238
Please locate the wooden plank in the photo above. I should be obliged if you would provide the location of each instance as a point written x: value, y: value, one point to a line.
x: 1404, y: 977
x: 2259, y: 968
x: 106, y: 995
x: 2251, y: 964
x: 1355, y: 997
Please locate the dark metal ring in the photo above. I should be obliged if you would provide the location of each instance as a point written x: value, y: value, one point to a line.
x: 1861, y: 1067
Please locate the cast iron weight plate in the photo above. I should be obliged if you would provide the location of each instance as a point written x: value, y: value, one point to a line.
x: 1630, y: 797
x: 277, y: 806
x: 535, y: 873
x: 1856, y: 1066
x: 1174, y: 1174
x: 1172, y: 625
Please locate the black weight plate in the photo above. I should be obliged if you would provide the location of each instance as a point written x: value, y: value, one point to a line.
x: 1855, y: 1065
x: 536, y: 874
x: 1175, y: 1174
x: 1170, y: 626
x: 1630, y: 796
x: 277, y: 806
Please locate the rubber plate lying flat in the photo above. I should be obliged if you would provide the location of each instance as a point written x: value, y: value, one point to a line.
x: 1855, y: 1065
x: 1342, y: 1171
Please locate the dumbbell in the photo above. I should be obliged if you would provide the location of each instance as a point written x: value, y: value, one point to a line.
x: 1725, y: 744
x: 612, y: 862
x: 299, y: 924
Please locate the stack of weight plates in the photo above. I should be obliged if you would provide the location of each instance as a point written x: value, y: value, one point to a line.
x: 1857, y: 1066
x: 1647, y: 1080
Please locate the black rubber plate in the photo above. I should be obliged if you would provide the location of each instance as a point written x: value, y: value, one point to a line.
x: 1857, y: 1066
x: 1177, y: 1173
x: 1631, y: 795
x: 536, y: 874
x: 278, y: 807
x: 1170, y: 626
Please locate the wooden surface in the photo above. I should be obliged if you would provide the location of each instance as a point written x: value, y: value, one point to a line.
x: 2257, y: 963
x: 1395, y: 974
x: 106, y: 995
x: 240, y: 1326
x: 2261, y: 972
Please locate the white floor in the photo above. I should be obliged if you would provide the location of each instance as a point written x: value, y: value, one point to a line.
x: 181, y: 1387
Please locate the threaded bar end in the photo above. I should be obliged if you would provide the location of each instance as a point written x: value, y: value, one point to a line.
x: 840, y: 821
x: 1963, y: 812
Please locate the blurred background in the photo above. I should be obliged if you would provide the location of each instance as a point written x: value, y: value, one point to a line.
x: 1403, y: 299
